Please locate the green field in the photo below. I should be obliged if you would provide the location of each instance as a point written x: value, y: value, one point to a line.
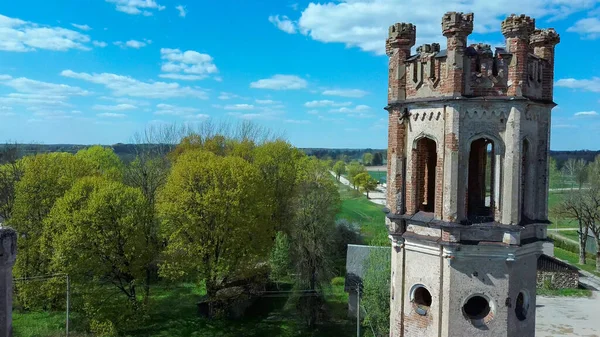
x: 357, y: 208
x: 573, y: 258
x: 381, y: 176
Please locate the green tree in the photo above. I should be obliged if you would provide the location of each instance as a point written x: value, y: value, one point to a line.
x: 316, y: 204
x: 354, y: 169
x: 576, y: 170
x: 214, y: 218
x: 277, y: 162
x: 10, y: 174
x: 367, y: 159
x: 556, y: 176
x: 365, y: 182
x: 103, y: 160
x: 46, y: 177
x: 377, y: 159
x: 279, y: 260
x: 376, y: 291
x: 99, y: 235
x: 339, y: 168
x: 594, y: 172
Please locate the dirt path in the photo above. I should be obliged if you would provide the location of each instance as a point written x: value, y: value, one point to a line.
x: 376, y: 197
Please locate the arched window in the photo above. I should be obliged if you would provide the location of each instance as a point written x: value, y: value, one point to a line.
x: 481, y: 181
x: 426, y: 157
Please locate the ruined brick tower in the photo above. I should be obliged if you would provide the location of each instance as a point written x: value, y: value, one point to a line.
x: 469, y: 135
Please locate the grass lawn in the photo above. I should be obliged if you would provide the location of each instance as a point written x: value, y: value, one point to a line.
x: 564, y: 292
x: 573, y: 258
x: 357, y: 208
x: 381, y: 176
x: 173, y: 313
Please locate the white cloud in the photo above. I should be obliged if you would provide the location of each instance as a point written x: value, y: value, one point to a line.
x: 34, y: 100
x: 126, y: 86
x: 358, y: 111
x: 182, y: 11
x: 22, y: 36
x: 239, y: 107
x: 355, y: 93
x: 168, y: 109
x: 189, y: 65
x: 296, y: 121
x: 198, y: 117
x: 125, y: 100
x: 364, y: 23
x: 227, y: 96
x: 111, y: 115
x: 100, y: 44
x: 29, y: 86
x: 588, y: 28
x: 81, y: 27
x: 280, y: 82
x: 283, y: 23
x: 136, y: 7
x: 133, y: 43
x: 592, y: 85
x: 266, y: 101
x: 586, y: 113
x: 118, y: 107
x: 325, y: 103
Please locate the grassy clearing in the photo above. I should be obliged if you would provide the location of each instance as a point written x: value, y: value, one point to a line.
x: 573, y: 258
x: 357, y: 208
x: 564, y: 292
x: 381, y: 176
x: 173, y: 313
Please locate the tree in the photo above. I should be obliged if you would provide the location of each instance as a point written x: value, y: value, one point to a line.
x: 339, y: 168
x: 354, y: 168
x: 376, y: 291
x: 315, y: 204
x: 277, y: 162
x: 367, y: 159
x: 365, y: 182
x: 574, y: 206
x: 46, y: 177
x: 591, y: 208
x: 279, y: 260
x: 594, y: 172
x: 10, y: 174
x: 98, y: 234
x: 556, y: 176
x: 215, y: 219
x: 576, y: 170
x: 103, y: 160
x: 377, y: 159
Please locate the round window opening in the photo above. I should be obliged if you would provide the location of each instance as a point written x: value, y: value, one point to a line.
x: 477, y: 308
x: 522, y: 306
x: 421, y: 300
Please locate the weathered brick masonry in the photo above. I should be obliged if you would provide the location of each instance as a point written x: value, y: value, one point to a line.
x: 468, y: 143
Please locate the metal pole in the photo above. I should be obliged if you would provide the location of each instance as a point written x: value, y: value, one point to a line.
x: 68, y: 303
x: 358, y: 311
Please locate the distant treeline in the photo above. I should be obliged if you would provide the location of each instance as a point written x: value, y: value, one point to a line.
x: 127, y: 152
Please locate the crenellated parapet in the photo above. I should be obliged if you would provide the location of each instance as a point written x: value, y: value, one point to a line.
x: 522, y: 68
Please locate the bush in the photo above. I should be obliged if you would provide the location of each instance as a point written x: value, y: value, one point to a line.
x: 338, y: 281
x: 570, y: 247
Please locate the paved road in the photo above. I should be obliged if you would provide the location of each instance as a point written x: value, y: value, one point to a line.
x: 565, y: 316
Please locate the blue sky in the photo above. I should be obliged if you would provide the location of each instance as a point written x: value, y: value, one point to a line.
x: 97, y: 71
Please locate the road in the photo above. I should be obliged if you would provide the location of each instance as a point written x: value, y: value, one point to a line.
x: 567, y: 316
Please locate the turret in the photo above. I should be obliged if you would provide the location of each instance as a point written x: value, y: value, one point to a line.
x: 517, y: 31
x: 456, y: 27
x: 401, y: 39
x: 542, y: 43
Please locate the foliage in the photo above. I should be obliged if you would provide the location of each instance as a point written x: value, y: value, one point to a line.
x: 376, y: 291
x: 98, y: 234
x: 339, y: 168
x: 346, y: 232
x: 573, y: 206
x: 365, y: 182
x: 277, y: 163
x: 279, y: 260
x: 367, y: 159
x: 214, y: 219
x: 46, y: 177
x: 103, y: 160
x: 555, y: 175
x: 354, y: 169
x: 10, y: 174
x: 377, y: 159
x: 315, y: 205
x: 576, y: 169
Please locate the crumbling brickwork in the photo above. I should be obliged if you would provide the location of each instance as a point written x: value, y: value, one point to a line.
x: 468, y: 142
